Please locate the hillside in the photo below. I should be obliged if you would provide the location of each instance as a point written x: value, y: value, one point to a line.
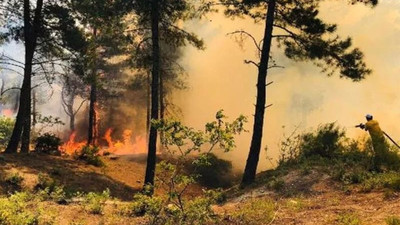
x: 290, y: 195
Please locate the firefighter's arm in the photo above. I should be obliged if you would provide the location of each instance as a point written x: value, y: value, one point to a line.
x: 362, y: 126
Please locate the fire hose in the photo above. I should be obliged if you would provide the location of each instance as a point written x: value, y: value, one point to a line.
x: 391, y: 139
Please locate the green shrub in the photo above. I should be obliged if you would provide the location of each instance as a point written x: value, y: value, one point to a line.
x: 14, y: 210
x: 89, y: 154
x: 6, y: 128
x: 160, y: 210
x: 215, y: 173
x: 325, y: 142
x: 392, y: 220
x: 48, y: 143
x: 348, y: 219
x: 95, y: 202
x: 390, y: 180
x: 14, y: 181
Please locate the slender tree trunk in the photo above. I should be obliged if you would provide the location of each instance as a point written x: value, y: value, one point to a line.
x: 92, y: 115
x: 92, y: 136
x: 70, y: 108
x: 34, y: 112
x: 148, y: 105
x: 162, y: 108
x: 23, y: 120
x: 26, y: 132
x: 255, y: 147
x: 151, y: 157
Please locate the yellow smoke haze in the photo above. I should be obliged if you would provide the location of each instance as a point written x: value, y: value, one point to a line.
x: 301, y: 95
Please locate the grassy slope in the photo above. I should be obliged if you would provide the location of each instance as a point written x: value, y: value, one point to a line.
x: 290, y: 196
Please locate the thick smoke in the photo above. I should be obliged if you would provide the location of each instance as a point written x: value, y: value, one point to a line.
x: 301, y: 95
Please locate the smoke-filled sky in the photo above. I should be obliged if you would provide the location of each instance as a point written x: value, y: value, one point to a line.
x: 301, y: 95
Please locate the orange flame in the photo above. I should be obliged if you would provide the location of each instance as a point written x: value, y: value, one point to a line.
x: 126, y: 146
x: 70, y: 147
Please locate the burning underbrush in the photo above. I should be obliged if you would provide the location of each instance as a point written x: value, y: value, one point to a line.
x: 129, y: 144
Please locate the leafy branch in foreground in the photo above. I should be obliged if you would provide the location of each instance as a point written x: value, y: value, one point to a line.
x: 180, y: 142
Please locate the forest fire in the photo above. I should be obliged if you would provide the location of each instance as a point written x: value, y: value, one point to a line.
x: 71, y: 146
x: 124, y: 147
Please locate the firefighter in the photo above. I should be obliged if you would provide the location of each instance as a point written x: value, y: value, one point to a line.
x: 378, y: 140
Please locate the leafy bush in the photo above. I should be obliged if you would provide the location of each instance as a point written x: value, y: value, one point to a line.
x: 160, y: 210
x: 325, y: 142
x: 48, y: 189
x: 175, y: 207
x: 390, y: 180
x: 14, y: 210
x: 95, y: 202
x: 216, y: 173
x: 14, y: 181
x: 48, y: 143
x: 89, y: 154
x: 6, y: 128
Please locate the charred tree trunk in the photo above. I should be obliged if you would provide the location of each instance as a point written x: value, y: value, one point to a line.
x: 23, y: 120
x: 92, y: 133
x: 152, y: 148
x: 254, y: 153
x: 92, y: 115
x: 72, y: 122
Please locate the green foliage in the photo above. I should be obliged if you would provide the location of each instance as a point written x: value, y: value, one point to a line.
x: 392, y: 220
x: 212, y: 171
x: 6, y: 128
x: 389, y: 180
x: 14, y: 181
x: 180, y: 141
x: 48, y: 143
x: 14, y: 210
x: 348, y: 219
x: 276, y: 184
x: 48, y: 189
x: 218, y: 132
x: 348, y: 161
x: 255, y: 211
x: 325, y: 142
x: 165, y: 210
x: 89, y: 154
x: 306, y: 37
x: 95, y: 202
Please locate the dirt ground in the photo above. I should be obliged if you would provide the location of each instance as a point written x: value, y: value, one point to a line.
x: 311, y: 199
x: 320, y: 200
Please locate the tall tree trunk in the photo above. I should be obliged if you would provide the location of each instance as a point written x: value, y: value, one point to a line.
x: 23, y: 120
x: 70, y: 108
x: 255, y: 147
x: 151, y: 157
x: 162, y: 108
x: 34, y: 112
x: 148, y: 101
x: 26, y: 132
x: 72, y: 122
x: 92, y: 133
x: 92, y: 115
